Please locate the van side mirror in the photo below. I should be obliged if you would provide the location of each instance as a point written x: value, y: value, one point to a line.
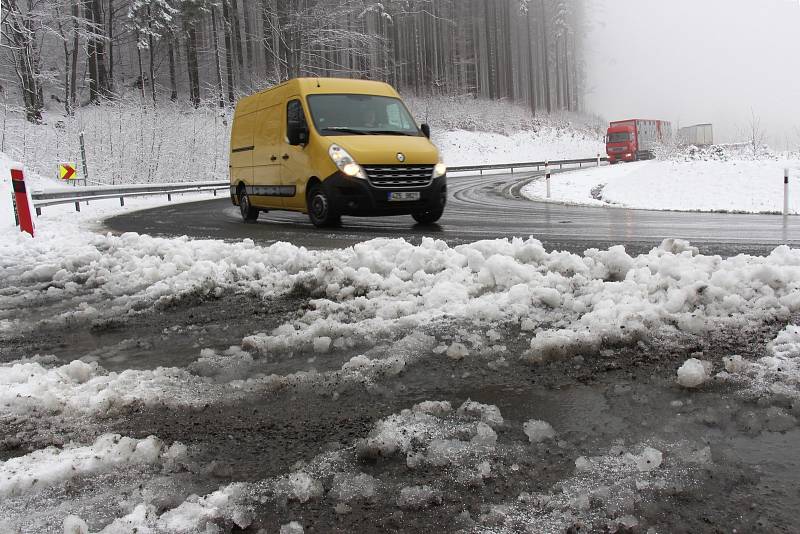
x: 297, y: 134
x: 426, y: 130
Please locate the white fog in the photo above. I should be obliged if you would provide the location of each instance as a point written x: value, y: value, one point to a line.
x: 695, y: 61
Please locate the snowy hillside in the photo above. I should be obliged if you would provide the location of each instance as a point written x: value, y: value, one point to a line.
x: 177, y: 143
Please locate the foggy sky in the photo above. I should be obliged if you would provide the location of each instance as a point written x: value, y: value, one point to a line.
x: 696, y: 61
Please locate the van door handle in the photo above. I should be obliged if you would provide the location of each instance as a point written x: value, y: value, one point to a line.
x: 274, y: 158
x: 286, y: 156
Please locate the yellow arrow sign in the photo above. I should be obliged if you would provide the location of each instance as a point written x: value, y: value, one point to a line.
x: 67, y: 171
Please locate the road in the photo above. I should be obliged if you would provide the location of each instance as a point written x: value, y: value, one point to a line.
x: 482, y: 207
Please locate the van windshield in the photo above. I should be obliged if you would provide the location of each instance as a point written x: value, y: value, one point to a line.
x: 361, y: 115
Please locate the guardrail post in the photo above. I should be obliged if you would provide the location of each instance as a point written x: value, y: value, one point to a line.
x: 77, y: 206
x: 38, y: 212
x: 169, y: 197
x: 785, y: 192
x: 215, y: 192
x: 121, y: 201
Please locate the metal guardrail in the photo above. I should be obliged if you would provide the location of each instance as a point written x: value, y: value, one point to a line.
x: 86, y: 194
x: 526, y: 165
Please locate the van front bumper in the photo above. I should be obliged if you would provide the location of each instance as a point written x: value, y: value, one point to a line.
x: 355, y: 196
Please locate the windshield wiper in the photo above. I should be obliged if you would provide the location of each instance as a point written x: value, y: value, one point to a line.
x: 342, y: 129
x: 391, y: 132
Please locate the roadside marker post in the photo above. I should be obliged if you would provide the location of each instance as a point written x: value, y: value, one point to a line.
x: 547, y: 176
x: 598, y: 159
x: 23, y: 205
x: 785, y: 192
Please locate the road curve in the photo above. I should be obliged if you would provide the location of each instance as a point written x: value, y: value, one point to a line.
x: 481, y: 207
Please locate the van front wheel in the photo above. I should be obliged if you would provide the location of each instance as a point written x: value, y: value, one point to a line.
x: 320, y: 209
x: 249, y: 213
x: 428, y: 217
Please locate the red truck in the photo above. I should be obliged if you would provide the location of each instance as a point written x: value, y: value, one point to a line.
x: 635, y: 139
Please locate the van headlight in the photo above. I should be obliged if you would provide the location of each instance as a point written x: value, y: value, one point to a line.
x: 345, y: 162
x: 439, y: 170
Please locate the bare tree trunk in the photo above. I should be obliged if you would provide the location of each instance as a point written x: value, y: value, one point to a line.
x: 532, y: 65
x: 173, y: 78
x: 97, y: 58
x: 229, y: 46
x: 191, y: 63
x: 73, y: 83
x: 216, y: 60
x: 546, y: 66
x: 110, y: 45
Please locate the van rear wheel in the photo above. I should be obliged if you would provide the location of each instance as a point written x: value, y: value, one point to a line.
x: 320, y: 208
x: 249, y: 213
x: 428, y: 217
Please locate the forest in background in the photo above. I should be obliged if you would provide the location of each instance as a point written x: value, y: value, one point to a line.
x: 68, y: 54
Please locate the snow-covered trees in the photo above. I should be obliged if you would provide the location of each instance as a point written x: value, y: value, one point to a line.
x: 90, y: 50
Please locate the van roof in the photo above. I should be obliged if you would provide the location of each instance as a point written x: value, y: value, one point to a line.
x: 310, y: 86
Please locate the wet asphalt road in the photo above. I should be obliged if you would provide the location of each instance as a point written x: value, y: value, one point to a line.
x: 482, y: 207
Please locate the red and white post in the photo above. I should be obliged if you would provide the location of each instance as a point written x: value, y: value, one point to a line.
x: 22, y: 202
x: 785, y: 192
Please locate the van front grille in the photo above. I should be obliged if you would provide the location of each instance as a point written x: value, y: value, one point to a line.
x: 394, y: 176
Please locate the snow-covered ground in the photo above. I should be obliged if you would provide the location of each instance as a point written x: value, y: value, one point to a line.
x: 752, y: 186
x: 420, y: 304
x: 460, y: 147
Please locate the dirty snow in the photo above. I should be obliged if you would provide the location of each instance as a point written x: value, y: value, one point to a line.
x: 51, y: 466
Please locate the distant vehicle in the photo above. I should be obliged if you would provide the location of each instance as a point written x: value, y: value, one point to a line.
x: 331, y: 147
x: 698, y: 135
x: 635, y: 139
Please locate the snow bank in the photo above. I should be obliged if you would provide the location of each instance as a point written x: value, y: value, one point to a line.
x: 753, y: 186
x: 381, y: 291
x: 52, y: 466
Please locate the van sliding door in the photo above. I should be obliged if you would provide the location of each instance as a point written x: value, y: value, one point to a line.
x: 266, y: 158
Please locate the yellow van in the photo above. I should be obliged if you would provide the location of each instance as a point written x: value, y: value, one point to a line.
x: 331, y: 147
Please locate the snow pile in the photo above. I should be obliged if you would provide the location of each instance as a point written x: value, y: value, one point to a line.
x: 538, y: 431
x: 694, y: 373
x: 777, y: 373
x: 374, y: 292
x: 195, y: 514
x: 740, y: 185
x: 605, y: 490
x: 419, y: 497
x: 80, y: 388
x: 52, y: 466
x: 348, y: 487
x: 429, y: 436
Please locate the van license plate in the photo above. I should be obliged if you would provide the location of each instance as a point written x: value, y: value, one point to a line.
x: 403, y: 196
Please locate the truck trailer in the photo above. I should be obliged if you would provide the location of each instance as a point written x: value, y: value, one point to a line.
x: 635, y: 139
x: 697, y: 135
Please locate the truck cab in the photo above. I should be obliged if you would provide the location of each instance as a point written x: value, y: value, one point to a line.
x: 621, y: 143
